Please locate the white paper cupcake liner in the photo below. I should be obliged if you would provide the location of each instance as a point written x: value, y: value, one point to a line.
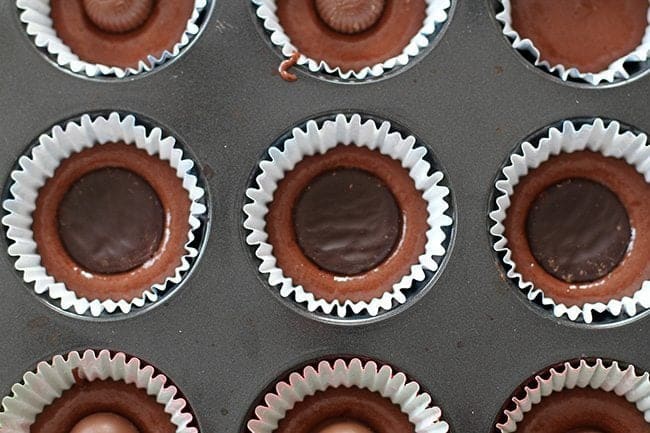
x: 436, y: 15
x: 354, y: 373
x: 39, y: 26
x: 40, y: 165
x: 594, y: 374
x: 597, y: 137
x: 39, y: 389
x: 615, y: 71
x: 314, y: 139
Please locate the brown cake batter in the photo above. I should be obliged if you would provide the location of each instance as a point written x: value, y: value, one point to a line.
x: 586, y: 34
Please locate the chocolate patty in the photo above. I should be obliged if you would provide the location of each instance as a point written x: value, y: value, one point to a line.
x: 583, y: 410
x: 335, y: 407
x: 124, y: 37
x: 586, y: 34
x: 119, y: 399
x: 578, y: 230
x: 351, y: 34
x: 347, y: 221
x: 111, y: 221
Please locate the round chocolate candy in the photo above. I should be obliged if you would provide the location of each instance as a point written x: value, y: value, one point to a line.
x: 111, y: 221
x: 350, y: 16
x: 104, y: 422
x: 343, y: 426
x: 347, y: 221
x: 578, y: 230
x: 118, y: 16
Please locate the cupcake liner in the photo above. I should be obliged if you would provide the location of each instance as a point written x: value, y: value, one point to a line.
x: 315, y: 139
x: 365, y: 375
x: 436, y: 15
x: 40, y: 388
x: 608, y: 140
x: 40, y: 165
x: 38, y: 24
x: 616, y: 71
x: 624, y: 382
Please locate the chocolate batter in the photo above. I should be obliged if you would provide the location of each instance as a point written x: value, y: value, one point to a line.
x: 351, y: 34
x: 120, y: 33
x: 132, y: 221
x: 329, y: 411
x: 578, y: 230
x: 631, y: 190
x: 586, y: 34
x: 583, y: 411
x: 108, y: 403
x: 57, y: 256
x: 376, y: 281
x: 287, y: 64
x: 347, y: 221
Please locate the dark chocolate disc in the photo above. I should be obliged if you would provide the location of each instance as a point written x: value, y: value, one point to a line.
x: 118, y: 16
x: 350, y: 16
x: 347, y: 221
x: 104, y: 422
x: 110, y: 221
x: 342, y: 426
x: 578, y: 230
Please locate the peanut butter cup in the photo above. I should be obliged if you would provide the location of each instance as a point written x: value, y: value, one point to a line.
x: 111, y: 222
x: 120, y: 33
x: 350, y: 16
x: 585, y: 34
x: 347, y: 224
x: 351, y: 34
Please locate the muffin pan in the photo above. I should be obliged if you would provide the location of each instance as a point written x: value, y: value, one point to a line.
x: 224, y: 338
